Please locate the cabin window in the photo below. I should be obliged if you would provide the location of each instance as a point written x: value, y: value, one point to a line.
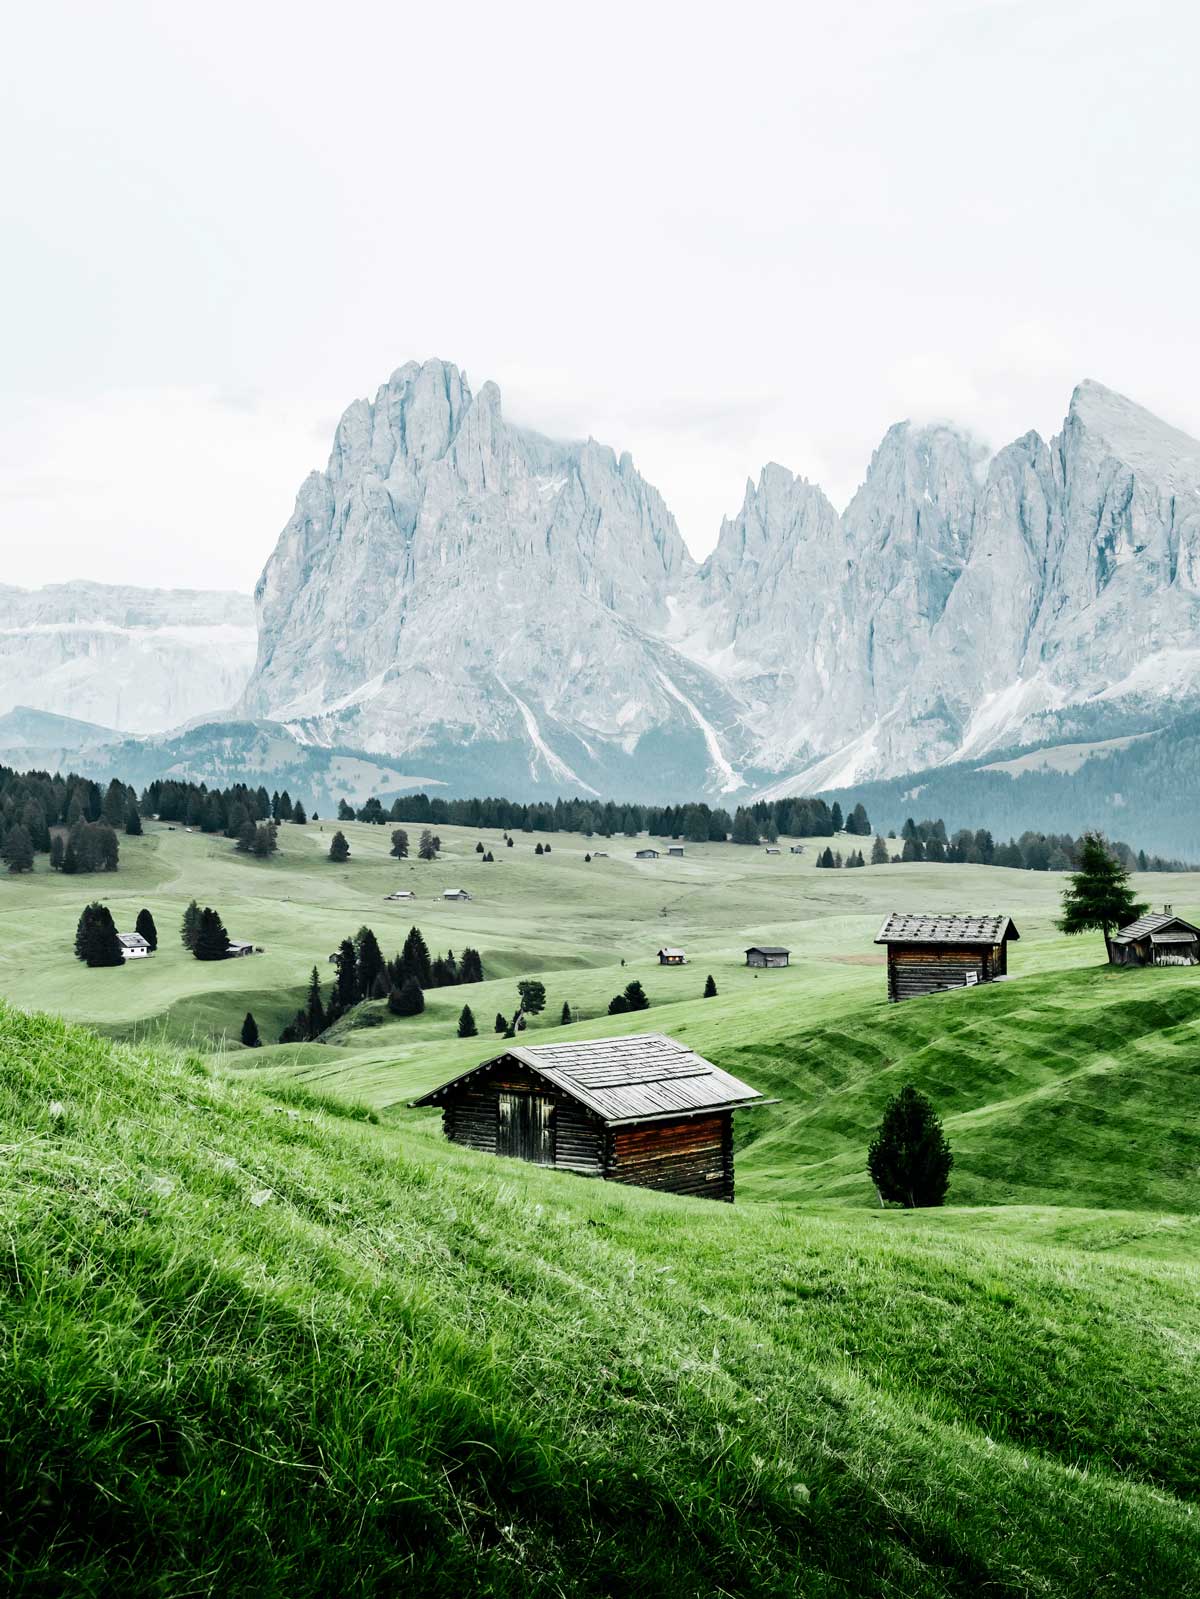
x: 526, y: 1128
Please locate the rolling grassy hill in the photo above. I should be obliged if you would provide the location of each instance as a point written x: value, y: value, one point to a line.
x: 252, y: 1290
x: 251, y: 1343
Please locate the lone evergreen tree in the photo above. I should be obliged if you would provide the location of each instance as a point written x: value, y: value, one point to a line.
x: 212, y: 941
x: 400, y: 844
x: 533, y: 996
x: 339, y: 849
x: 466, y: 1023
x: 501, y: 1025
x: 250, y: 1033
x: 710, y: 988
x: 145, y: 926
x: 428, y: 847
x: 635, y: 996
x: 1098, y: 897
x: 879, y: 852
x: 565, y: 1019
x: 909, y: 1159
x: 133, y: 822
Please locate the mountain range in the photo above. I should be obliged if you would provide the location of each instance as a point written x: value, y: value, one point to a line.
x: 465, y: 603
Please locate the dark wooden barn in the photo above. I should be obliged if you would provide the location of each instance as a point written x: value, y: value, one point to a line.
x: 643, y: 1110
x: 1158, y: 939
x: 926, y: 954
x: 767, y: 955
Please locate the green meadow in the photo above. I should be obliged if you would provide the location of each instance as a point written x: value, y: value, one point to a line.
x: 264, y: 1330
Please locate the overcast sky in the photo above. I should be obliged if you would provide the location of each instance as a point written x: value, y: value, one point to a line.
x: 713, y: 235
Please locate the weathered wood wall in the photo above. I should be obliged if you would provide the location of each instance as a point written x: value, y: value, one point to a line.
x: 693, y: 1155
x: 472, y: 1117
x: 915, y: 969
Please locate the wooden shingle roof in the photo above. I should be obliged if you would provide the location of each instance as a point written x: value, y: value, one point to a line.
x: 642, y: 1078
x: 1154, y: 925
x: 908, y: 927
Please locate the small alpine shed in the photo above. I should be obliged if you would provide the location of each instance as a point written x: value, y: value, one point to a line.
x: 644, y: 1110
x: 767, y: 955
x: 669, y: 956
x: 1158, y: 939
x: 929, y: 953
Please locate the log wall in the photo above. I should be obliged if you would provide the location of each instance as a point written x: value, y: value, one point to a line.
x: 915, y: 969
x: 693, y: 1155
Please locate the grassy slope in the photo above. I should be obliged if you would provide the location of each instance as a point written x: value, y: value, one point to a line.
x: 251, y: 1343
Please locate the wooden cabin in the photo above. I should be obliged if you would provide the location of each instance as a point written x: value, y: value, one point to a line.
x: 671, y: 957
x: 795, y: 849
x: 644, y: 1110
x: 767, y: 955
x: 1158, y: 939
x: 134, y: 947
x: 645, y: 855
x: 675, y: 850
x: 455, y: 893
x: 927, y: 954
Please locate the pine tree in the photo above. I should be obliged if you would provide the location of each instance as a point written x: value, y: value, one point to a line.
x: 91, y: 915
x: 710, y: 988
x: 1098, y: 897
x: 298, y: 814
x: 745, y: 828
x: 314, y: 1008
x: 470, y: 967
x: 408, y: 1000
x: 400, y: 844
x: 479, y: 849
x: 100, y: 944
x: 428, y: 847
x: 879, y: 852
x: 618, y: 1005
x: 18, y: 849
x: 345, y: 811
x: 836, y: 814
x: 346, y: 991
x: 369, y: 959
x: 250, y: 1033
x: 415, y: 958
x: 190, y: 926
x: 133, y: 823
x: 339, y: 849
x: 635, y: 996
x: 501, y: 1025
x: 145, y: 926
x: 466, y: 1023
x: 566, y: 1018
x: 537, y: 849
x: 212, y: 941
x: 909, y: 1159
x: 861, y: 821
x: 57, y: 851
x: 533, y: 996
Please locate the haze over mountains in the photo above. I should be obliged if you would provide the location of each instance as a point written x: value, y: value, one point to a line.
x: 478, y: 606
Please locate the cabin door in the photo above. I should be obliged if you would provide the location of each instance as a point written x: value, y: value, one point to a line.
x: 526, y: 1128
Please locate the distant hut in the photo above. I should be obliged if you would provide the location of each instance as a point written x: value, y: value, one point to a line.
x: 133, y: 946
x: 1158, y: 939
x: 795, y: 849
x: 401, y: 893
x: 773, y: 849
x: 644, y: 1110
x: 926, y: 954
x: 767, y: 955
x: 645, y: 855
x: 236, y: 947
x: 675, y: 850
x: 455, y: 893
x: 667, y: 956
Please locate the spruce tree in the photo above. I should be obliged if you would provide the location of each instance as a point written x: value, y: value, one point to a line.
x: 18, y: 849
x: 407, y: 1000
x: 145, y: 926
x: 212, y: 941
x: 909, y: 1159
x: 298, y: 814
x: 635, y: 996
x: 879, y: 852
x: 565, y: 1019
x: 100, y: 944
x: 466, y: 1023
x: 57, y: 851
x: 618, y: 1005
x: 400, y: 844
x: 415, y: 957
x: 470, y: 967
x: 346, y: 991
x: 369, y: 959
x: 427, y: 849
x: 339, y: 849
x: 501, y: 1025
x: 190, y: 926
x: 710, y: 988
x: 250, y: 1033
x: 345, y: 811
x: 133, y: 823
x: 314, y: 1008
x: 1098, y: 897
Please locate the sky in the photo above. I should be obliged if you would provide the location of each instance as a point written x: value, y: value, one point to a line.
x: 711, y: 235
